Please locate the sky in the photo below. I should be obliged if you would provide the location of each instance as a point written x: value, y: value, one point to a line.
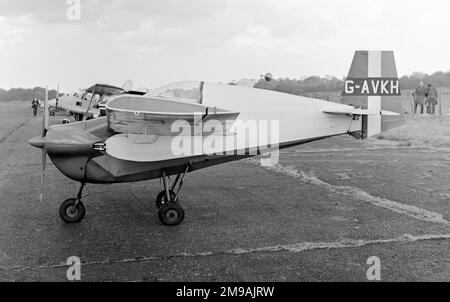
x: 155, y: 42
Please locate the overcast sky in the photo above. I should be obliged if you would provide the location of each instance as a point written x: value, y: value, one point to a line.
x: 161, y: 41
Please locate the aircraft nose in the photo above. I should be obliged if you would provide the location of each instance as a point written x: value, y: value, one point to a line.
x: 38, y: 142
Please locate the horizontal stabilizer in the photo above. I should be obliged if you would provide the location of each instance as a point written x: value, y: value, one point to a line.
x: 355, y: 111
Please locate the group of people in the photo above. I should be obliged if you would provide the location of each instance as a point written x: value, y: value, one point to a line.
x: 425, y: 97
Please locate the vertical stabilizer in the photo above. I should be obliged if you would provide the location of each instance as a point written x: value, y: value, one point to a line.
x: 373, y: 84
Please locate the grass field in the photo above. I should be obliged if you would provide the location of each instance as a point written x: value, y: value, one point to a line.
x: 422, y: 130
x: 426, y: 131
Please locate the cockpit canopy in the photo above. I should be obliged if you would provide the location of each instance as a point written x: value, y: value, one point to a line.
x: 190, y: 91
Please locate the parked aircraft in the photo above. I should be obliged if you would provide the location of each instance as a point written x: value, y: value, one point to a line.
x: 88, y: 103
x: 188, y: 126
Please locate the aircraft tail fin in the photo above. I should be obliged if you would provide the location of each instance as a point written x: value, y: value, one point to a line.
x: 373, y: 84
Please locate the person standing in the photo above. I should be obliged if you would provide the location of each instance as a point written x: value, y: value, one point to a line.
x: 432, y: 99
x: 35, y: 105
x: 419, y: 98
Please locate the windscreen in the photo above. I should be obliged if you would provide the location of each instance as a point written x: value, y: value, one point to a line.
x: 185, y: 91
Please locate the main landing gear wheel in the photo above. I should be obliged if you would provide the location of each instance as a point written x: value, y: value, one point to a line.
x: 162, y: 199
x: 171, y: 213
x: 71, y: 211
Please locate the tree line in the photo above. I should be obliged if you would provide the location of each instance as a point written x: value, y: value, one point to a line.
x: 22, y: 94
x: 315, y: 84
x: 305, y: 86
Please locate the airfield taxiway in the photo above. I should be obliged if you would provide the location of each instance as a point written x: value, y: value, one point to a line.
x: 318, y: 216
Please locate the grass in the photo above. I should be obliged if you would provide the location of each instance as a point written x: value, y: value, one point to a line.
x: 422, y: 131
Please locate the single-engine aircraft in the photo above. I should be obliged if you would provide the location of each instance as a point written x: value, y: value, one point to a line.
x: 158, y: 135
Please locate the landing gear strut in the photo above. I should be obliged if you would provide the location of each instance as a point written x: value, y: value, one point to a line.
x: 72, y: 210
x: 78, y: 117
x: 170, y: 211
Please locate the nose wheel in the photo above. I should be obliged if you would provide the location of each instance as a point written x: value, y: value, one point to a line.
x: 170, y: 211
x: 72, y: 210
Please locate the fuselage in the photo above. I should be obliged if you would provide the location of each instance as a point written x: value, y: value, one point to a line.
x: 78, y: 103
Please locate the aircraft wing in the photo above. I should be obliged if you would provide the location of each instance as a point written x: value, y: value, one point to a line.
x: 102, y: 89
x: 148, y: 148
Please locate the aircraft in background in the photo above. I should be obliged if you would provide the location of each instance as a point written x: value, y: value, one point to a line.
x: 88, y: 103
x: 140, y: 137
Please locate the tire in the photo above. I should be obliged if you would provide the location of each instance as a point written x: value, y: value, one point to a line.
x: 171, y: 214
x: 70, y: 215
x: 161, y: 198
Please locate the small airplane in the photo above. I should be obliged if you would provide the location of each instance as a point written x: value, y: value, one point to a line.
x: 184, y: 127
x: 88, y: 103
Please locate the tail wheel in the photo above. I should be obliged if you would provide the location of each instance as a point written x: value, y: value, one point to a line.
x: 162, y: 199
x: 72, y: 212
x: 171, y: 213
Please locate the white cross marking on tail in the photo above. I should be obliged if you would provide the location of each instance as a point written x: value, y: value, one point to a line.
x: 374, y: 102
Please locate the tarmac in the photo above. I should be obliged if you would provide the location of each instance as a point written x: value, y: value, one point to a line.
x: 317, y: 216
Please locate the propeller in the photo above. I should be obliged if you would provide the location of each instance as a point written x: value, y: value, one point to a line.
x: 44, y: 134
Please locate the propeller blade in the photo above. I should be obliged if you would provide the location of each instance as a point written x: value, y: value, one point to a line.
x: 57, y: 96
x: 45, y: 118
x: 44, y: 151
x: 44, y: 161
